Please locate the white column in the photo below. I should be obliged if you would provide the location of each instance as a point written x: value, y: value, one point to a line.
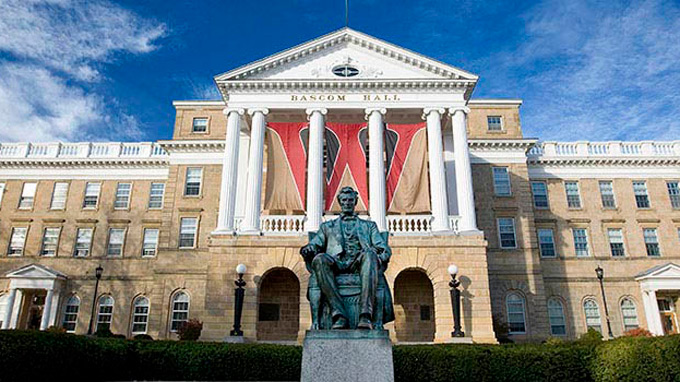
x: 225, y: 219
x: 376, y: 171
x: 652, y: 312
x: 315, y: 183
x: 435, y: 151
x: 10, y: 305
x: 461, y: 154
x: 47, y: 310
x: 251, y: 220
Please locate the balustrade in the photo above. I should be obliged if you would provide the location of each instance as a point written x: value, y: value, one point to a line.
x: 81, y: 150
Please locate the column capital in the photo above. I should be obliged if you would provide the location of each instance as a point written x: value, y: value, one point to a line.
x: 262, y: 110
x: 464, y: 109
x: 370, y: 110
x: 428, y: 110
x: 228, y: 110
x: 312, y: 110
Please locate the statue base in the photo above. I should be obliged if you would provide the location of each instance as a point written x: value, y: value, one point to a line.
x: 347, y: 355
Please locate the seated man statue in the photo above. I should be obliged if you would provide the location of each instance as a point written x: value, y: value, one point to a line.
x: 349, y: 246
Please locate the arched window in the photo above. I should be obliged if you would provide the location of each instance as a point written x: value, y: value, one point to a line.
x: 516, y: 318
x: 558, y: 325
x: 71, y: 310
x: 592, y: 311
x: 629, y: 312
x: 3, y: 307
x: 140, y: 315
x: 180, y: 310
x: 105, y: 313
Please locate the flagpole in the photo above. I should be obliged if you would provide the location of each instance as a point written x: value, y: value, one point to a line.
x: 346, y: 13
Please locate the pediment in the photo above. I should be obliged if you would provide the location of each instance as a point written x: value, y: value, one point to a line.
x: 35, y: 271
x: 665, y: 271
x: 370, y: 57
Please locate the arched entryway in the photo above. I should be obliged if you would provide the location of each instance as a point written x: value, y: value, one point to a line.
x: 278, y: 313
x: 414, y: 307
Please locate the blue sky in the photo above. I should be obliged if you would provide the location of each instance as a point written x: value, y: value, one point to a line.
x: 98, y: 70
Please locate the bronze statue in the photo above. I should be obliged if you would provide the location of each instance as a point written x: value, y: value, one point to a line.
x: 346, y: 258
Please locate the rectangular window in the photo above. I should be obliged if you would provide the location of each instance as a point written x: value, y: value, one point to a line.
x: 494, y: 122
x: 200, y: 125
x: 17, y: 241
x: 616, y: 242
x: 607, y: 194
x: 501, y: 181
x: 83, y: 242
x: 546, y: 242
x: 641, y: 197
x: 573, y: 194
x: 122, y: 196
x: 150, y: 242
x: 59, y: 196
x: 156, y: 195
x: 91, y: 195
x: 50, y: 241
x: 27, y: 196
x: 540, y: 192
x: 580, y: 242
x: 116, y: 242
x: 506, y: 232
x: 193, y: 181
x: 674, y: 193
x: 651, y: 242
x: 187, y: 232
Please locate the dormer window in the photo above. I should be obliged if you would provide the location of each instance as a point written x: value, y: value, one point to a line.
x: 345, y: 71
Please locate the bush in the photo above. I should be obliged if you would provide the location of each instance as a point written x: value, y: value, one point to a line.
x: 104, y: 332
x: 637, y: 332
x: 56, y: 329
x: 554, y: 341
x: 500, y: 327
x: 592, y: 336
x: 638, y: 359
x: 144, y: 337
x: 190, y: 330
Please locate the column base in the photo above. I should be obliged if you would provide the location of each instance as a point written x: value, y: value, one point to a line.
x: 234, y: 339
x: 459, y: 340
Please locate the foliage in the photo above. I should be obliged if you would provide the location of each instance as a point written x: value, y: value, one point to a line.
x: 592, y: 336
x: 56, y: 329
x: 145, y: 337
x: 637, y: 332
x: 31, y: 355
x: 554, y: 341
x: 190, y: 330
x: 104, y: 332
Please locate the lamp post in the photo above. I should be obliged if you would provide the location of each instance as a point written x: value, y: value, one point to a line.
x: 238, y: 304
x: 98, y: 274
x: 455, y: 301
x: 600, y: 276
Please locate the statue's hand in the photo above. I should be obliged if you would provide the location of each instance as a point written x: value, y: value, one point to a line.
x: 307, y: 252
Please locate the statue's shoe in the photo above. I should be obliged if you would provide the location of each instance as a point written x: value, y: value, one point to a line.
x: 340, y: 323
x: 364, y: 323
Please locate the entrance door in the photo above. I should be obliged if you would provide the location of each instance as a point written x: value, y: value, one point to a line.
x: 35, y: 311
x: 668, y: 318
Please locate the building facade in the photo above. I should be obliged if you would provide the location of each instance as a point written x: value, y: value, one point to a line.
x: 526, y: 222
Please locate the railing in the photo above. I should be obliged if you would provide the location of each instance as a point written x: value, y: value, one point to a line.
x: 398, y: 225
x: 605, y: 149
x: 97, y: 150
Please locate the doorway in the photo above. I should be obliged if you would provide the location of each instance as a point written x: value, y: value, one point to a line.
x: 669, y: 320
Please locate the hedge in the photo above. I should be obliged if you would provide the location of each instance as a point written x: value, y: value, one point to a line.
x: 32, y: 355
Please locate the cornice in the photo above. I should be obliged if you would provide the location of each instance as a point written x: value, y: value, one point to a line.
x: 84, y: 163
x: 192, y: 146
x: 501, y: 144
x: 326, y: 85
x: 603, y: 162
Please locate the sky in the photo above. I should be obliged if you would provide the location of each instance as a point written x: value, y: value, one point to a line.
x: 93, y: 70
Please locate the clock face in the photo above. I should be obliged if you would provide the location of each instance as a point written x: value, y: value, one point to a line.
x: 345, y: 71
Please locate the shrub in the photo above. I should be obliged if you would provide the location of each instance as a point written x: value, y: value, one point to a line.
x: 190, y: 330
x: 592, y: 336
x: 144, y: 337
x: 104, y: 332
x: 56, y: 329
x: 500, y: 327
x: 638, y: 359
x: 554, y: 341
x: 637, y: 332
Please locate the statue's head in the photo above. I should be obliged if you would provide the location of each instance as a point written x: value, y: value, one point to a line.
x: 347, y: 198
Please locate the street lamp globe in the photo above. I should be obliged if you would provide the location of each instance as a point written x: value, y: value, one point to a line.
x: 241, y: 269
x: 453, y: 270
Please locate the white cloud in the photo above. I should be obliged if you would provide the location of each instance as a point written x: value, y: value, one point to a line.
x: 599, y: 70
x: 54, y: 50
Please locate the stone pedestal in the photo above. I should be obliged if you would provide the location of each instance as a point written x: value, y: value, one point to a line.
x: 347, y: 355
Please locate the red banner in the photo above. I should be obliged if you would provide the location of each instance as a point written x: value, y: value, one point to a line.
x: 346, y: 162
x: 407, y: 180
x: 286, y: 164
